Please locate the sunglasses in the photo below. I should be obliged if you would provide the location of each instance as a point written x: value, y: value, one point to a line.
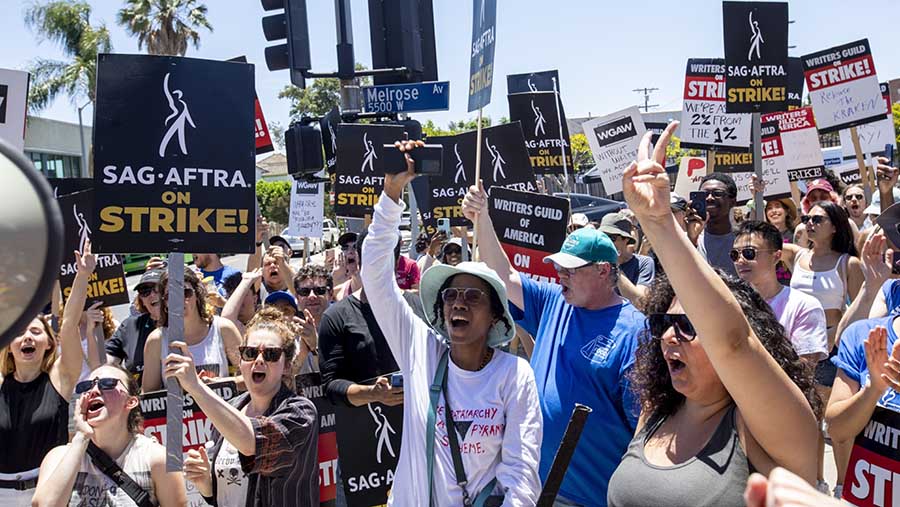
x: 269, y: 354
x: 305, y: 291
x: 188, y: 293
x: 854, y: 197
x: 106, y: 384
x: 718, y: 194
x: 661, y: 322
x: 146, y: 291
x: 815, y: 219
x: 348, y: 246
x: 747, y: 252
x: 470, y: 296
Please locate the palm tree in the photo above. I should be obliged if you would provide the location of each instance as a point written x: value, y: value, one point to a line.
x: 164, y: 26
x: 68, y: 24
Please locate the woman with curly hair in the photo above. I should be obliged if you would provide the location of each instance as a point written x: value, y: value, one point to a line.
x: 722, y: 392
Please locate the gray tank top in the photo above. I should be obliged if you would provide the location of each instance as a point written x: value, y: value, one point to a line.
x: 716, y: 476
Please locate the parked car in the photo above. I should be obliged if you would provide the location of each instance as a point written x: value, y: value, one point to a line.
x: 134, y: 263
x: 330, y: 234
x: 595, y: 208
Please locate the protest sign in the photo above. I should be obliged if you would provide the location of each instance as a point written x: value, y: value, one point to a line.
x: 328, y: 126
x: 843, y: 86
x: 541, y: 122
x: 704, y: 122
x: 307, y: 209
x: 614, y: 140
x: 529, y: 226
x: 800, y: 141
x: 872, y: 136
x: 873, y: 472
x: 107, y: 284
x: 262, y: 138
x: 756, y: 44
x: 481, y: 63
x: 774, y: 169
x: 66, y: 186
x: 795, y: 83
x: 421, y: 187
x: 738, y: 165
x: 656, y: 128
x: 848, y: 172
x: 175, y: 170
x: 13, y: 102
x: 368, y: 440
x: 197, y: 429
x: 445, y: 192
x: 894, y: 88
x: 543, y: 81
x: 310, y: 385
x: 360, y: 164
x: 690, y: 171
x: 504, y: 161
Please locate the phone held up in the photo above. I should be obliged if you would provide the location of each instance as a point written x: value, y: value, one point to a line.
x: 443, y: 225
x: 397, y: 380
x: 698, y: 203
x: 428, y: 159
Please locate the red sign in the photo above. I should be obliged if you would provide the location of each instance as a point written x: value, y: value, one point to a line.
x: 873, y: 473
x: 263, y: 140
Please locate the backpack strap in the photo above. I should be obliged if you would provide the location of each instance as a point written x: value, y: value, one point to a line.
x: 112, y: 470
x: 434, y: 393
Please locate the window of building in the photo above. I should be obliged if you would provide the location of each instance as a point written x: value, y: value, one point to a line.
x: 54, y: 165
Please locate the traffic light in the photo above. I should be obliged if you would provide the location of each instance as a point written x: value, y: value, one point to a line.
x: 402, y: 33
x: 290, y: 25
x: 303, y: 144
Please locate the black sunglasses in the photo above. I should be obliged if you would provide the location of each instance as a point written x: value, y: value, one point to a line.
x: 270, y: 354
x: 305, y: 291
x: 106, y: 384
x: 661, y: 322
x: 748, y: 252
x: 147, y: 290
x: 718, y: 194
x: 815, y: 219
x: 348, y: 246
x: 188, y: 292
x: 470, y: 296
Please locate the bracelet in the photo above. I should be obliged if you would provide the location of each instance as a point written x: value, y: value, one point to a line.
x: 259, y: 244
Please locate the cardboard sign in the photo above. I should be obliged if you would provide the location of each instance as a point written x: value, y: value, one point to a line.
x: 795, y: 83
x: 175, y: 170
x: 310, y: 385
x: 843, y: 86
x: 848, y: 172
x: 873, y: 136
x: 614, y: 141
x: 774, y: 170
x: 107, y: 284
x: 756, y: 44
x: 197, y: 427
x: 361, y: 160
x: 504, y: 157
x: 307, y: 209
x: 328, y: 126
x: 368, y: 440
x: 540, y: 118
x: 445, y: 192
x: 704, y: 122
x: 481, y: 59
x: 874, y: 464
x: 262, y: 137
x: 529, y: 226
x: 66, y: 186
x: 690, y: 171
x: 800, y: 141
x: 13, y: 103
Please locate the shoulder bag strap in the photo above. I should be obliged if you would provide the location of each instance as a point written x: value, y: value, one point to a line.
x: 461, y: 478
x: 112, y: 470
x: 434, y: 393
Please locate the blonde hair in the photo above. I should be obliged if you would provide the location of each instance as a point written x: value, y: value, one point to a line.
x: 8, y: 363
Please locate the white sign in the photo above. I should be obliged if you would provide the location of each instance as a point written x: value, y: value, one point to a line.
x: 742, y: 180
x: 307, y: 213
x: 848, y: 172
x: 704, y: 122
x: 614, y: 141
x: 799, y: 138
x: 690, y: 171
x: 774, y: 169
x: 872, y: 138
x: 13, y: 101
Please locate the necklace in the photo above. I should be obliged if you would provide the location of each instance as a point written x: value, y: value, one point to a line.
x: 487, y: 358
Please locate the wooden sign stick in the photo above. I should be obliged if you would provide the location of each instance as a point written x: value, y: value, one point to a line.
x: 861, y: 162
x: 477, y: 181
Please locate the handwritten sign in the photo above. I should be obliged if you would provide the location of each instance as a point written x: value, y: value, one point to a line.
x: 774, y: 172
x: 307, y: 214
x: 690, y: 171
x: 704, y: 122
x: 614, y: 140
x: 872, y: 136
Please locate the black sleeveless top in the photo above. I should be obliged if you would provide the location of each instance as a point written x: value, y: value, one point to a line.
x: 33, y: 419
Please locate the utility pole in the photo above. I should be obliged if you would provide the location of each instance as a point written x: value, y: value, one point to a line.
x: 646, y: 91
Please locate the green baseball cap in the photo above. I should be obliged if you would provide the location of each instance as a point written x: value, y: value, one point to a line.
x: 583, y: 247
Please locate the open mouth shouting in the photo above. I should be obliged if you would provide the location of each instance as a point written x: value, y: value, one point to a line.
x: 674, y: 362
x: 458, y: 322
x: 28, y: 351
x: 258, y: 376
x: 94, y: 408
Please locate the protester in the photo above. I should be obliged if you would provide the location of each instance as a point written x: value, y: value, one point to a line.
x: 878, y: 295
x: 452, y: 252
x: 466, y: 306
x: 97, y: 319
x: 636, y: 271
x: 577, y: 221
x: 211, y: 265
x: 408, y: 275
x: 282, y: 243
x: 212, y: 339
x: 703, y: 426
x: 277, y: 272
x: 421, y: 245
x: 782, y: 213
x: 39, y: 373
x: 435, y: 245
x: 854, y: 202
x: 242, y: 290
x: 269, y: 433
x: 819, y: 190
x: 346, y: 269
x: 585, y: 337
x: 756, y: 255
x: 715, y: 241
x: 126, y: 347
x: 108, y: 420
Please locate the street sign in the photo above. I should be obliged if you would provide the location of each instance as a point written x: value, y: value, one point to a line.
x: 406, y: 98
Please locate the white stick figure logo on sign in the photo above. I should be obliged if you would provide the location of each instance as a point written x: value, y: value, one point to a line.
x: 497, y: 160
x: 383, y: 431
x: 177, y: 126
x: 460, y: 170
x: 756, y: 39
x: 370, y: 155
x: 84, y: 232
x: 333, y: 138
x: 532, y: 86
x: 538, y: 119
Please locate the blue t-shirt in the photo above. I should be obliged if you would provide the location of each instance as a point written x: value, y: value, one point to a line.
x: 219, y: 275
x: 851, y: 356
x: 891, y: 291
x: 581, y: 356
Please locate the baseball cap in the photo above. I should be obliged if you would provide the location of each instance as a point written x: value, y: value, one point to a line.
x: 617, y: 224
x: 579, y: 219
x: 583, y: 247
x: 281, y: 295
x: 347, y: 237
x: 677, y: 202
x: 149, y: 278
x: 278, y: 239
x: 819, y: 184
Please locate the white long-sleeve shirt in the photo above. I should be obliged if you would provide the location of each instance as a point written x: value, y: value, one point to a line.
x: 495, y: 410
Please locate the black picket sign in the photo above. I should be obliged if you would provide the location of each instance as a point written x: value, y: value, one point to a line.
x: 481, y: 63
x: 541, y: 124
x: 364, y: 152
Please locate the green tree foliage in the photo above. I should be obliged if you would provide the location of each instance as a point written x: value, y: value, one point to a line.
x: 164, y: 27
x: 319, y: 97
x: 276, y: 132
x: 896, y: 114
x: 581, y: 152
x: 68, y: 24
x: 274, y: 200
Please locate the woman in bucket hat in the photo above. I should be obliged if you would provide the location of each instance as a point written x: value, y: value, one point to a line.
x: 452, y: 361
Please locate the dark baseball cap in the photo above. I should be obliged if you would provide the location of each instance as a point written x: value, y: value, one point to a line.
x: 149, y: 278
x: 278, y: 239
x: 347, y: 237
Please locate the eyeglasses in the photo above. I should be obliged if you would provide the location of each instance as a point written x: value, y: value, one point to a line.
x: 815, y: 219
x: 453, y: 250
x: 717, y: 193
x: 470, y: 296
x: 567, y: 271
x: 305, y: 291
x: 146, y: 291
x: 188, y: 293
x: 348, y: 246
x: 106, y: 384
x: 269, y: 354
x: 661, y: 322
x: 854, y: 197
x: 748, y: 252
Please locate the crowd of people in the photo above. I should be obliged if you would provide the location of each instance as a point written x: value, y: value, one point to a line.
x: 719, y: 354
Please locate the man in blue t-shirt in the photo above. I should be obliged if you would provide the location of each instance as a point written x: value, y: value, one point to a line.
x: 585, y: 339
x: 211, y: 265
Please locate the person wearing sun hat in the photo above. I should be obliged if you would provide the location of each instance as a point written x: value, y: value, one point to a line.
x: 454, y: 373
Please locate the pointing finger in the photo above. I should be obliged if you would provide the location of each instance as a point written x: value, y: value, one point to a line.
x: 659, y: 151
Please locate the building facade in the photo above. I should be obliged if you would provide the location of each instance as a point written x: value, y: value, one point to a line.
x: 55, y: 147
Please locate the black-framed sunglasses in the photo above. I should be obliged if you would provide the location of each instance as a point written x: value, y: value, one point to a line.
x: 348, y: 246
x: 470, y: 295
x: 269, y: 354
x: 748, y: 253
x: 188, y: 293
x: 147, y: 290
x: 105, y: 383
x: 815, y: 219
x: 660, y: 322
x: 306, y: 291
x: 718, y: 193
x: 854, y: 197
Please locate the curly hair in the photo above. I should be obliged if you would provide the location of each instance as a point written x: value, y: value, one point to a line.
x: 271, y: 319
x: 650, y: 379
x: 190, y: 278
x: 497, y: 307
x: 313, y: 271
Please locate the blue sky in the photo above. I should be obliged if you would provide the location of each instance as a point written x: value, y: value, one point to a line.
x: 603, y: 49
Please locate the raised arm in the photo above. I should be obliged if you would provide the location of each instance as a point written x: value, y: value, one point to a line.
x: 65, y: 371
x: 875, y: 271
x: 773, y: 407
x: 233, y: 306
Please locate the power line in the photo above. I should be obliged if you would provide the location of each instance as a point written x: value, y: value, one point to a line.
x: 646, y: 91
